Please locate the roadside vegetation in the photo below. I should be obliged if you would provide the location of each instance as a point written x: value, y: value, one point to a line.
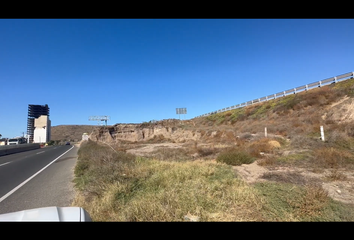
x: 117, y: 186
x: 198, y: 182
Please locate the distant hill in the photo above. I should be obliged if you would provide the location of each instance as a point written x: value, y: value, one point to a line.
x: 70, y: 132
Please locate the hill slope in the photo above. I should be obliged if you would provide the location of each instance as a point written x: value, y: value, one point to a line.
x: 70, y: 132
x: 291, y: 157
x: 292, y: 116
x: 293, y: 121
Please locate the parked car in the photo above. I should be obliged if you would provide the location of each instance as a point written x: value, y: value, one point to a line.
x: 67, y: 143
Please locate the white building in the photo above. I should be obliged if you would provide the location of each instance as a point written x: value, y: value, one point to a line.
x: 41, y: 129
x: 85, y: 137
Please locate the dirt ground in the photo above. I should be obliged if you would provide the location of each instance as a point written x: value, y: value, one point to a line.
x: 340, y: 190
x: 148, y: 148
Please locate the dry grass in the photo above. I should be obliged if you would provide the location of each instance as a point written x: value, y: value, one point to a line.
x: 336, y: 175
x: 288, y: 202
x: 171, y: 154
x: 311, y: 203
x: 329, y: 157
x: 116, y: 186
x: 258, y: 147
x: 173, y: 186
x: 152, y: 190
x: 267, y: 161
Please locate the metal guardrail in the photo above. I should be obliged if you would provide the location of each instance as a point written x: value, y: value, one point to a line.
x: 306, y: 87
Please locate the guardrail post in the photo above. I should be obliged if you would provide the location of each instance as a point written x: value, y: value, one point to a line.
x: 294, y: 90
x: 274, y: 96
x: 266, y: 98
x: 307, y: 87
x: 335, y: 79
x: 284, y: 93
x: 322, y: 133
x: 320, y: 83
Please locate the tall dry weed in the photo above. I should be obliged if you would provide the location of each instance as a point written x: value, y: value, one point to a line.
x: 311, y: 202
x: 263, y: 145
x: 330, y: 157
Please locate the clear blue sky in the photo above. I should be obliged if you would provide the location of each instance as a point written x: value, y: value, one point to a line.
x: 137, y: 70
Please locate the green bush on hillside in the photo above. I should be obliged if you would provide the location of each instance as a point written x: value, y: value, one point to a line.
x: 235, y: 157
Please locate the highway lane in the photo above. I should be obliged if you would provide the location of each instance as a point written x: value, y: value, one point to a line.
x: 37, y: 178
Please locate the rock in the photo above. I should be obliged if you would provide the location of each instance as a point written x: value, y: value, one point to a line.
x: 191, y: 218
x: 144, y: 132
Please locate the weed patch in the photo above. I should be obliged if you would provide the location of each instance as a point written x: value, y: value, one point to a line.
x: 288, y: 202
x: 336, y: 175
x: 235, y: 157
x: 261, y: 146
x: 332, y: 158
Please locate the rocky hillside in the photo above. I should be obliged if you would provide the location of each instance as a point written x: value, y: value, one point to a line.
x: 294, y: 151
x: 290, y: 117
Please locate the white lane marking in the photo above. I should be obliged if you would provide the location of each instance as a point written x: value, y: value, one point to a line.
x: 24, y: 182
x: 4, y: 163
x: 40, y: 152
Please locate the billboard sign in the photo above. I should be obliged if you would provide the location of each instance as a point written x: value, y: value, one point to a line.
x: 181, y: 110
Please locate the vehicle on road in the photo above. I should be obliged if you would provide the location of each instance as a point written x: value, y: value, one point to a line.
x: 15, y: 141
x: 50, y: 214
x: 67, y: 143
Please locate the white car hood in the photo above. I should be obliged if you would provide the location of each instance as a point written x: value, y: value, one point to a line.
x: 49, y: 214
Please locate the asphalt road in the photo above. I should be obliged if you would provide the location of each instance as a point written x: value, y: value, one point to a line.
x: 37, y: 178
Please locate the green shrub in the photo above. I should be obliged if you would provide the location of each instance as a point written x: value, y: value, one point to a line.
x: 80, y: 168
x: 235, y: 157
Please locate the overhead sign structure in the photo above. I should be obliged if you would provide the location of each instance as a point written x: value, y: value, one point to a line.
x: 99, y: 119
x: 181, y: 111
